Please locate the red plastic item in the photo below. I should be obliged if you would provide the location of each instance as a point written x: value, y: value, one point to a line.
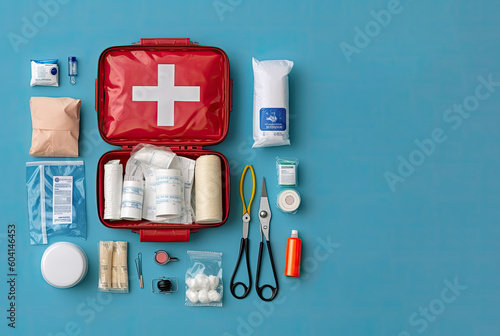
x: 293, y: 251
x: 166, y: 92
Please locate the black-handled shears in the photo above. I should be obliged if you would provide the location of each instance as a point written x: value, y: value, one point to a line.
x: 265, y: 220
x: 244, y: 239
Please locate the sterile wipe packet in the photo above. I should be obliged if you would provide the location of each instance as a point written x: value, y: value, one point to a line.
x: 286, y: 169
x: 44, y: 72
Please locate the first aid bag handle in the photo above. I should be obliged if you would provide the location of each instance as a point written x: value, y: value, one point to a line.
x: 164, y: 235
x: 167, y: 41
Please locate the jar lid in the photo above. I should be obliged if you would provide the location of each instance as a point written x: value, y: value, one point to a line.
x: 64, y: 265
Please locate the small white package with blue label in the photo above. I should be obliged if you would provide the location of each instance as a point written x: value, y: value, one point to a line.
x: 271, y: 122
x: 44, y: 72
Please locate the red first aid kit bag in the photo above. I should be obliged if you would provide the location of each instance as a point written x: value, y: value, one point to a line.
x: 165, y: 92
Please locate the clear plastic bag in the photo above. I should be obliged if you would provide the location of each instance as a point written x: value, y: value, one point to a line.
x: 56, y: 200
x: 204, y: 279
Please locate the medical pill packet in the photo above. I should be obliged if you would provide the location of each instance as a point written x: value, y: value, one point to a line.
x: 271, y: 115
x: 204, y: 279
x: 56, y: 200
x: 286, y: 169
x: 44, y: 72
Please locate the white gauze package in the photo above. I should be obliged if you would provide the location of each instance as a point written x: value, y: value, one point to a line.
x: 270, y: 103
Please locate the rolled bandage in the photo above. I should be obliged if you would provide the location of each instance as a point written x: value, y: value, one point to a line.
x: 132, y: 200
x: 208, y: 187
x: 113, y: 174
x: 169, y: 193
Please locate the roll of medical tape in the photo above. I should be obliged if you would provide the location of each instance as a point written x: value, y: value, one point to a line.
x: 289, y: 200
x: 208, y: 187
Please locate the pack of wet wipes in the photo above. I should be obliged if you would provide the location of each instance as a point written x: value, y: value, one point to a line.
x: 44, y: 72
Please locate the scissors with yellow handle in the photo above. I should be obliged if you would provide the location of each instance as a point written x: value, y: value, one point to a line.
x: 244, y: 239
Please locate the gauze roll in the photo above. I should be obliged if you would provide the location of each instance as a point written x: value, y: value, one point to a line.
x: 132, y: 198
x: 270, y: 103
x: 169, y: 193
x: 208, y: 189
x: 113, y: 174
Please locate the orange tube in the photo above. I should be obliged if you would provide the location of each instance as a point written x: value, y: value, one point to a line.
x: 293, y: 249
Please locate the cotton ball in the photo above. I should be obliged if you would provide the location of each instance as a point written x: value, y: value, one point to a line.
x: 192, y: 295
x: 213, y: 281
x: 203, y: 296
x: 201, y: 281
x: 191, y: 283
x: 214, y: 296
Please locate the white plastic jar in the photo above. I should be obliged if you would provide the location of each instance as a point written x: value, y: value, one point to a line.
x: 64, y: 265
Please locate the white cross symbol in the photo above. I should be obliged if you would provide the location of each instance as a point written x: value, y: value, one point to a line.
x: 166, y: 93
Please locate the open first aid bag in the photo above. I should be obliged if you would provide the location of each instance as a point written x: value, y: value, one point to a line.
x: 165, y: 92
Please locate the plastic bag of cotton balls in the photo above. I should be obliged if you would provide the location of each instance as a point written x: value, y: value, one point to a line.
x: 203, y: 289
x: 204, y: 279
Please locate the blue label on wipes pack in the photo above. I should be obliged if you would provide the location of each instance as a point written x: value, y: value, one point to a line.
x: 272, y: 119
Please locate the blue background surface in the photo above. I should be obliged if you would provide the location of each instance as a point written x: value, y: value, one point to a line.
x: 374, y: 259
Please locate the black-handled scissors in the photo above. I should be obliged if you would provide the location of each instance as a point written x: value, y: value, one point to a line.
x: 265, y: 220
x: 244, y: 240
